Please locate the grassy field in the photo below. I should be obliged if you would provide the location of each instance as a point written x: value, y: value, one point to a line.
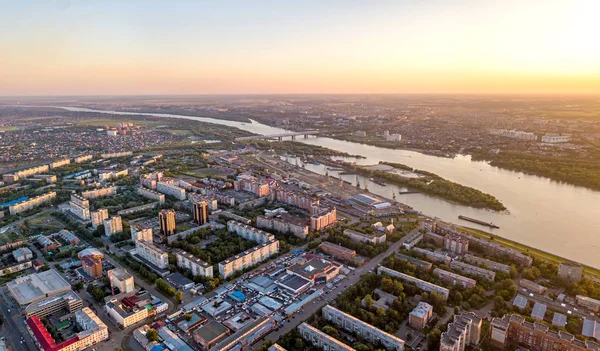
x: 9, y: 129
x: 180, y: 131
x: 46, y: 222
x: 535, y: 253
x: 99, y: 122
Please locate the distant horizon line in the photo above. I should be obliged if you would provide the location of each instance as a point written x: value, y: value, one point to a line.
x: 298, y: 94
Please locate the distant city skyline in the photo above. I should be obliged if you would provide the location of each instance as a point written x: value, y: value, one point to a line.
x: 66, y: 47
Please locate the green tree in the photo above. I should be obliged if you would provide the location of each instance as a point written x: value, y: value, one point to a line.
x: 152, y: 335
x: 179, y: 296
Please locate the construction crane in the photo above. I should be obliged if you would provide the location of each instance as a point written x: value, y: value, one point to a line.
x: 393, y: 195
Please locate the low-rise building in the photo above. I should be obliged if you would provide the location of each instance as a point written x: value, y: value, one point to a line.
x: 353, y: 235
x: 68, y: 301
x: 412, y: 239
x: 420, y: 315
x: 434, y: 256
x: 338, y: 251
x: 126, y: 312
x: 316, y: 270
x: 249, y: 232
x: 588, y: 302
x: 421, y: 284
x: 210, y: 334
x: 37, y: 286
x: 529, y: 285
x: 422, y: 265
x: 370, y: 333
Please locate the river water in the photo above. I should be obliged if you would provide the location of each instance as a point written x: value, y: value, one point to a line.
x: 555, y: 217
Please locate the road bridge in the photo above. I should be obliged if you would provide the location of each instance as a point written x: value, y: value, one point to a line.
x: 279, y: 137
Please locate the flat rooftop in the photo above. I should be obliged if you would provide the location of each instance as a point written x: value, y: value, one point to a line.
x: 212, y: 331
x: 36, y: 286
x: 293, y: 282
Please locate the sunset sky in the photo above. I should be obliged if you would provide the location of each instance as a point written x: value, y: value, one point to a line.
x: 87, y: 47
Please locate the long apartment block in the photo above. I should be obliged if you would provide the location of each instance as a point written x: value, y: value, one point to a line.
x: 319, y: 339
x: 249, y: 232
x: 368, y: 332
x: 421, y: 284
x: 455, y: 279
x: 473, y: 270
x: 495, y: 266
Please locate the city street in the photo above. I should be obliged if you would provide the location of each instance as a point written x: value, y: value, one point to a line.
x: 330, y: 294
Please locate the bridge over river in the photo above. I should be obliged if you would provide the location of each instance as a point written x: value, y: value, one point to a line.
x: 293, y: 135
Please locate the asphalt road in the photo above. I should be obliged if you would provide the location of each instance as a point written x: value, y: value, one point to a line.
x: 353, y: 278
x: 14, y: 327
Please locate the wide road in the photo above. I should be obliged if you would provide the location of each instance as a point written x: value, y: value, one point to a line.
x: 14, y: 327
x: 352, y: 279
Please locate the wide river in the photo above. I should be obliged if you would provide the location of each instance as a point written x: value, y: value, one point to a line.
x: 555, y: 217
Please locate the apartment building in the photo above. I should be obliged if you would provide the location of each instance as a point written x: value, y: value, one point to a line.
x: 248, y: 258
x: 166, y: 220
x: 194, y: 264
x: 67, y: 300
x: 80, y: 207
x: 480, y: 261
x: 319, y: 339
x: 422, y: 265
x: 22, y: 254
x: 92, y: 266
x: 153, y: 254
x: 434, y: 256
x: 31, y: 203
x: 60, y: 163
x: 420, y: 315
x: 100, y: 192
x: 249, y: 232
x: 116, y: 154
x: 253, y: 186
x: 200, y: 211
x: 513, y: 330
x: 171, y: 190
x: 83, y: 158
x: 15, y: 176
x: 293, y: 198
x: 529, y: 285
x: 99, y: 216
x: 473, y: 270
x: 151, y: 194
x: 322, y: 217
x: 368, y: 332
x: 113, y: 225
x: 570, y: 271
x: 488, y: 247
x: 284, y: 224
x: 456, y: 244
x: 455, y: 279
x: 421, y: 284
x: 465, y: 329
x: 6, y: 270
x: 338, y: 251
x: 553, y: 139
x: 139, y: 233
x: 378, y: 238
x: 121, y: 279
